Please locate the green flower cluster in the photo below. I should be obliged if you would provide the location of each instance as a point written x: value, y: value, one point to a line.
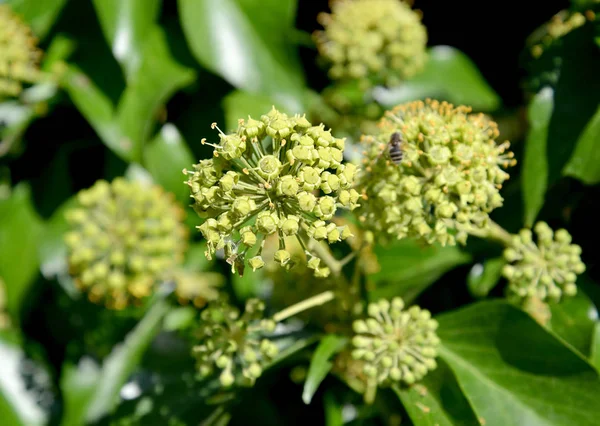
x: 279, y: 176
x: 396, y: 345
x: 546, y: 269
x: 228, y: 341
x: 448, y: 180
x: 373, y: 41
x: 124, y: 238
x: 19, y: 55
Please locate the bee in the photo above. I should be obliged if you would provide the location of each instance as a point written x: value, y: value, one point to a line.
x: 395, y: 148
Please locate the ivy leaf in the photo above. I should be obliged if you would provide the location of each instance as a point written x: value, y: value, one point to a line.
x: 513, y: 371
x: 448, y: 75
x: 408, y: 268
x: 231, y: 43
x: 483, y: 277
x: 240, y: 104
x: 437, y: 400
x: 320, y: 364
x: 574, y: 319
x: 91, y: 392
x: 534, y: 178
x: 20, y: 232
x: 595, y: 347
x: 585, y: 161
x: 39, y: 14
x: 165, y: 157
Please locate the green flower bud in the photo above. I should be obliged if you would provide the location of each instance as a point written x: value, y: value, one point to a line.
x: 288, y: 186
x: 307, y: 201
x: 282, y: 257
x: 256, y: 262
x: 269, y: 166
x: 325, y: 208
x: 266, y: 222
x: 290, y: 225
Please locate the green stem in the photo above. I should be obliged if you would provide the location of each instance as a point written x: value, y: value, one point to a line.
x: 311, y: 302
x: 323, y: 253
x: 493, y: 232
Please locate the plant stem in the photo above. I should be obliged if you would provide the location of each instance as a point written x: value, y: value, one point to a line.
x: 325, y: 255
x: 493, y: 232
x: 311, y: 302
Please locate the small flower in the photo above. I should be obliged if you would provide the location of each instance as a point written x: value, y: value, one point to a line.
x: 19, y: 56
x: 447, y: 182
x: 545, y: 269
x: 373, y: 41
x: 124, y: 239
x: 279, y: 176
x: 396, y: 345
x: 228, y: 341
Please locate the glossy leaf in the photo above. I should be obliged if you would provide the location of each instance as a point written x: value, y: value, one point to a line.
x: 320, y: 364
x: 437, y: 400
x: 52, y: 249
x: 408, y: 268
x: 239, y: 104
x: 449, y: 75
x: 165, y: 157
x: 573, y: 319
x: 20, y: 232
x: 534, y: 176
x: 126, y: 25
x: 39, y: 14
x: 483, y: 277
x: 513, y: 371
x: 18, y: 405
x: 91, y: 392
x: 232, y: 44
x: 595, y: 347
x: 585, y: 161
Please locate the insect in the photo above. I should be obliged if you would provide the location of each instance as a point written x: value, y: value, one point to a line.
x: 395, y: 148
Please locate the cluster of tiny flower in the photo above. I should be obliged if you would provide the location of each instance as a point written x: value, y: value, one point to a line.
x: 373, y: 41
x: 448, y: 179
x: 124, y: 238
x: 19, y: 55
x: 228, y: 341
x: 545, y: 269
x: 396, y: 345
x: 279, y: 176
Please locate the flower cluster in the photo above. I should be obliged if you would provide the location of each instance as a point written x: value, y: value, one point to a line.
x: 373, y: 41
x: 545, y: 269
x: 124, y: 238
x: 279, y: 176
x: 396, y: 345
x: 228, y: 341
x: 19, y: 55
x: 560, y: 25
x: 448, y: 180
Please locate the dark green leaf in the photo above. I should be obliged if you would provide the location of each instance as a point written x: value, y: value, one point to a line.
x: 60, y: 49
x: 408, y: 268
x: 18, y: 406
x: 239, y: 104
x: 573, y: 319
x: 595, y: 349
x: 233, y: 45
x: 126, y: 25
x: 320, y: 364
x: 534, y: 178
x: 20, y: 232
x: 165, y: 157
x: 483, y: 277
x: 39, y: 14
x: 91, y: 392
x: 513, y: 371
x: 437, y: 400
x: 585, y: 161
x: 52, y: 249
x: 449, y: 75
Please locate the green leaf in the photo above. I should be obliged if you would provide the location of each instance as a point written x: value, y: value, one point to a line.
x: 408, y: 268
x: 534, y: 178
x: 449, y: 75
x: 15, y: 118
x: 595, y: 349
x: 574, y: 319
x: 437, y: 400
x: 158, y: 78
x: 39, y: 14
x: 20, y: 232
x: 239, y: 104
x: 231, y: 43
x: 585, y: 161
x: 320, y: 364
x: 52, y: 249
x: 333, y: 411
x: 484, y: 277
x: 91, y: 392
x: 18, y: 406
x: 165, y: 157
x: 126, y: 25
x: 513, y: 371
